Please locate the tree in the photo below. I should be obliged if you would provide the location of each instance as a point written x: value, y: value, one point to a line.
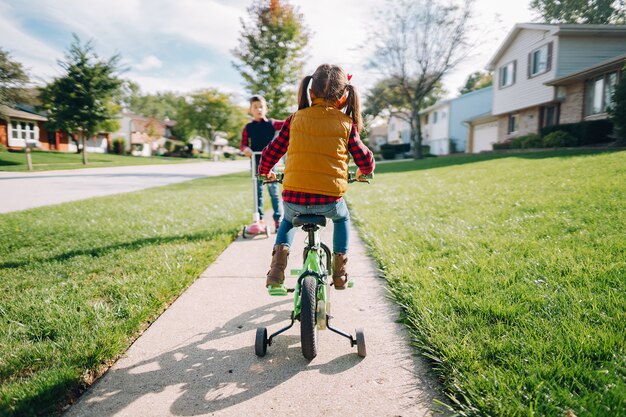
x: 80, y: 100
x: 618, y: 108
x: 477, y: 81
x: 160, y: 105
x: 386, y: 97
x: 580, y: 11
x: 270, y: 55
x: 416, y: 44
x: 13, y: 79
x: 207, y: 111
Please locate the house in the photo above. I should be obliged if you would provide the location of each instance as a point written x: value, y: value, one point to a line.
x: 21, y: 126
x: 398, y: 128
x: 377, y: 134
x: 444, y: 124
x: 144, y: 135
x: 546, y: 74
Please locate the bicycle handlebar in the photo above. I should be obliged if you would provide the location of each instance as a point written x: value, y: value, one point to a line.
x: 351, y: 178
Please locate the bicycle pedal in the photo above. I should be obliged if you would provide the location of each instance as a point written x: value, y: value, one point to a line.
x: 351, y: 283
x: 296, y: 272
x: 277, y: 291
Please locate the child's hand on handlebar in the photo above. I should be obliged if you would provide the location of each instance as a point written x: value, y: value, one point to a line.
x: 358, y: 176
x: 270, y: 177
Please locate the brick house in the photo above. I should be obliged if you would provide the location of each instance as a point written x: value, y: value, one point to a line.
x: 546, y: 74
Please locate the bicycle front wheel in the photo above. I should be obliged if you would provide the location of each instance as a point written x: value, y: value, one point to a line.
x: 308, y: 329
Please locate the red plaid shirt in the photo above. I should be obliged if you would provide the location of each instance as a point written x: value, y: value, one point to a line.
x: 275, y: 150
x: 245, y: 139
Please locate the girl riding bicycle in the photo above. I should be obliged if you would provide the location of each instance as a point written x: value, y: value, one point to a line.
x: 318, y: 140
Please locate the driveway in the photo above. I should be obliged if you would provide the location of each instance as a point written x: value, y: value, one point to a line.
x: 21, y: 191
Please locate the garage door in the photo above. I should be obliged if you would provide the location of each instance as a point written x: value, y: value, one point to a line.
x: 484, y: 136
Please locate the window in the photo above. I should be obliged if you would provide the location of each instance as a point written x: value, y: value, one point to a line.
x: 540, y: 60
x: 22, y: 130
x: 513, y: 121
x: 507, y: 74
x: 599, y: 93
x: 549, y: 115
x: 435, y: 117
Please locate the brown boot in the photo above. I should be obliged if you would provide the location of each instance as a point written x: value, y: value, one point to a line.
x: 340, y: 276
x: 276, y: 274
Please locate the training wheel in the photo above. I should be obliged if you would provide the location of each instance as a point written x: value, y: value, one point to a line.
x: 360, y: 343
x: 260, y: 344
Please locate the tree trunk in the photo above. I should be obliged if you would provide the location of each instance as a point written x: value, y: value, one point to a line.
x: 416, y: 133
x: 82, y: 140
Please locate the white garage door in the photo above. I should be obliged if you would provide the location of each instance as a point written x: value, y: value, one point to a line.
x: 484, y: 136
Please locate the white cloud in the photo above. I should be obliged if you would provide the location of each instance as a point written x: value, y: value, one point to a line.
x: 148, y: 62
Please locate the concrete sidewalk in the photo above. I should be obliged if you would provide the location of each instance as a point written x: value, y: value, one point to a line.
x: 198, y: 358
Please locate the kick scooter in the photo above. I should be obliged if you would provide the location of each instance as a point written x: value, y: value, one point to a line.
x: 256, y: 228
x: 312, y: 292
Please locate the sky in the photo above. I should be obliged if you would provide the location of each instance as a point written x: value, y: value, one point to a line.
x: 185, y: 45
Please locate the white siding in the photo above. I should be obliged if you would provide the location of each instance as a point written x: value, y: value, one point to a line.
x: 577, y: 53
x: 438, y: 133
x: 526, y: 92
x: 398, y: 130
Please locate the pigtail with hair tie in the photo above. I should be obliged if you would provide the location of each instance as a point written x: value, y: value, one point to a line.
x: 303, y: 92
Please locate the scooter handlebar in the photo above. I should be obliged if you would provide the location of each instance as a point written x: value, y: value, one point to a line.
x: 351, y: 178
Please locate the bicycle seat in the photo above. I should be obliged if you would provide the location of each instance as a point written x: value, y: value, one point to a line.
x: 304, y: 219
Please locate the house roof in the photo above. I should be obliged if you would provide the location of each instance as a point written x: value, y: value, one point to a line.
x: 557, y: 30
x: 20, y: 114
x: 441, y: 103
x: 481, y: 118
x: 613, y: 63
x: 435, y: 106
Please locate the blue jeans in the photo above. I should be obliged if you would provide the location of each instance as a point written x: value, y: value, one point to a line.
x: 337, y: 212
x: 274, y: 195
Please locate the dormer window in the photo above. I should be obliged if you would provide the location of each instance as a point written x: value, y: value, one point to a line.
x: 507, y: 74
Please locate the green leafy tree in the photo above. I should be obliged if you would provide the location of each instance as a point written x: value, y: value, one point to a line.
x: 160, y: 105
x: 416, y: 43
x: 13, y: 79
x: 618, y: 108
x: 477, y: 81
x: 79, y: 101
x: 207, y: 111
x: 271, y: 53
x: 580, y: 11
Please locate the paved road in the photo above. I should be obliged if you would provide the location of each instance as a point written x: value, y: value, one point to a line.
x: 20, y: 191
x: 198, y: 358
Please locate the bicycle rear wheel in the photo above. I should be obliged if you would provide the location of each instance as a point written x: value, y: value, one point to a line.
x: 308, y: 329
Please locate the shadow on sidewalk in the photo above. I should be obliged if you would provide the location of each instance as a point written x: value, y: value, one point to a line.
x: 205, y: 375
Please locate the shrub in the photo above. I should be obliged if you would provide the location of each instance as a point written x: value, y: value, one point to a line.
x: 119, y: 145
x: 502, y: 145
x: 588, y: 133
x: 532, y: 140
x: 618, y: 110
x: 516, y: 143
x: 559, y: 139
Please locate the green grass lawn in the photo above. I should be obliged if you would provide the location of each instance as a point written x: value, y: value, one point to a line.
x: 79, y: 281
x: 46, y: 160
x: 511, y: 272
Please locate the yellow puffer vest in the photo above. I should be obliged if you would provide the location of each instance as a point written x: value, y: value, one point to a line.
x: 317, y: 156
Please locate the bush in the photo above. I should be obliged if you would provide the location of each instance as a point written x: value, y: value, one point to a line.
x: 532, y: 140
x: 516, y: 143
x: 588, y: 133
x: 502, y: 145
x: 618, y: 110
x: 389, y: 151
x: 119, y: 146
x: 559, y: 139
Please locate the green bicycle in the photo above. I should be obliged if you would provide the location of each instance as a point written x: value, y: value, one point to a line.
x: 311, y: 293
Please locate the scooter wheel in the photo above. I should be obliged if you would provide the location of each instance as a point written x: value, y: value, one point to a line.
x: 360, y: 343
x: 267, y: 231
x: 260, y: 344
x: 243, y: 234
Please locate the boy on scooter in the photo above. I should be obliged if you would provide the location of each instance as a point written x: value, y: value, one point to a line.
x: 254, y: 138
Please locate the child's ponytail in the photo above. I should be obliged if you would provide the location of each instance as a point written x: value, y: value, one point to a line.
x: 303, y: 93
x: 353, y: 108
